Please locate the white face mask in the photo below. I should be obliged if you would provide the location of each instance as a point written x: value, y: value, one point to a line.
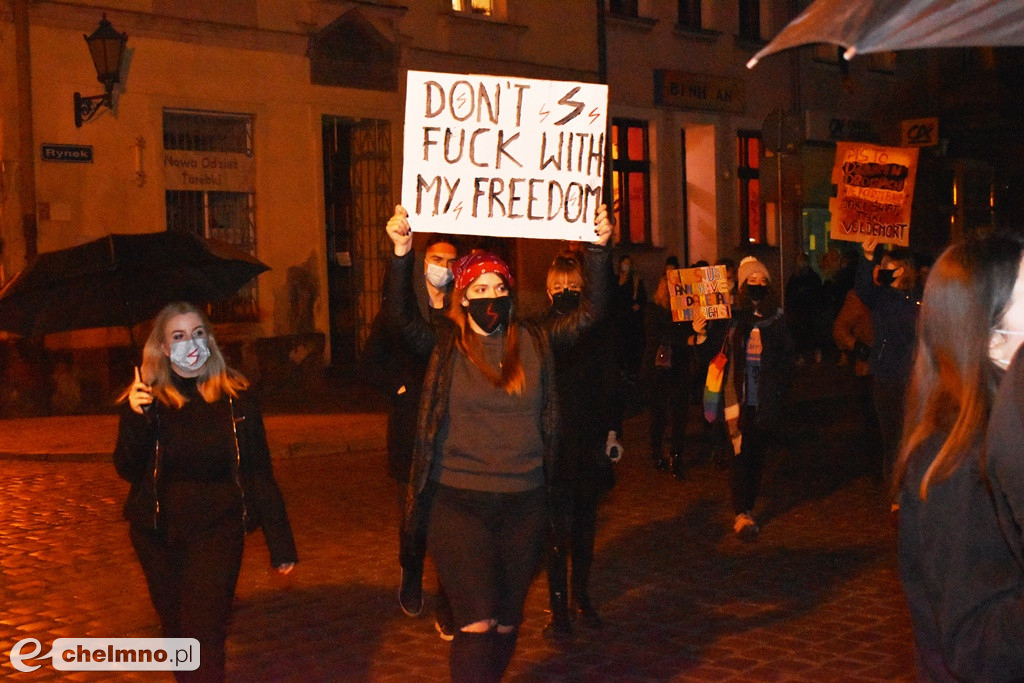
x: 438, y: 275
x: 190, y: 354
x: 1000, y: 361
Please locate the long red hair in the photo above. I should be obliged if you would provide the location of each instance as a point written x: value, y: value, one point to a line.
x: 511, y: 376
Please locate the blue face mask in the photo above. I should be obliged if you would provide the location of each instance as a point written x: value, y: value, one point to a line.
x: 439, y: 276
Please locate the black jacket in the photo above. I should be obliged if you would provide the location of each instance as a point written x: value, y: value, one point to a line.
x: 894, y: 319
x: 777, y: 358
x: 960, y: 560
x: 387, y: 364
x: 136, y: 458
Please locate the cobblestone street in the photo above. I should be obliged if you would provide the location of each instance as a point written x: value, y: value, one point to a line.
x: 816, y: 598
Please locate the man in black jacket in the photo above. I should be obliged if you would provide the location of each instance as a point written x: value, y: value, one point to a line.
x: 390, y: 367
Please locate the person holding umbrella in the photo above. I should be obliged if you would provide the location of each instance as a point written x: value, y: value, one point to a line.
x: 192, y: 444
x: 487, y: 438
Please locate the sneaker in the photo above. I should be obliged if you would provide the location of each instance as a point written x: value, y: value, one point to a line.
x: 612, y: 447
x: 745, y: 527
x: 410, y: 595
x: 445, y: 630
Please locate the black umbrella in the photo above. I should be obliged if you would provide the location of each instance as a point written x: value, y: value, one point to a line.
x: 121, y: 280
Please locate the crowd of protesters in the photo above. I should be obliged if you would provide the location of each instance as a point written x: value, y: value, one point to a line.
x: 504, y: 430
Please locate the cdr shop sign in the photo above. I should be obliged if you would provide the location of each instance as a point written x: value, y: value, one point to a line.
x: 80, y: 154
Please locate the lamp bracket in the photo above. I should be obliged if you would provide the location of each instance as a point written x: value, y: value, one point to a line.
x: 87, y: 107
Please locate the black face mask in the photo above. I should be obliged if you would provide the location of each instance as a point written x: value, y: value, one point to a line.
x: 757, y: 292
x: 886, y: 277
x: 490, y: 313
x: 565, y: 302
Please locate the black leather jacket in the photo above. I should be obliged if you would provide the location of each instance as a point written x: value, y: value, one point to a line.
x: 137, y: 460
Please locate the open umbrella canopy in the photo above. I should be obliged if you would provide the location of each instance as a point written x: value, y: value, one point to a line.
x: 863, y: 26
x: 121, y: 280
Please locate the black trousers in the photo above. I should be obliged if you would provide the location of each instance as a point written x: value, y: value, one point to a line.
x: 748, y: 465
x: 487, y: 547
x: 888, y: 396
x: 669, y: 400
x: 191, y: 566
x: 574, y: 534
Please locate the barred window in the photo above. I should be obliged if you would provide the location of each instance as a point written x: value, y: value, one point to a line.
x: 228, y: 215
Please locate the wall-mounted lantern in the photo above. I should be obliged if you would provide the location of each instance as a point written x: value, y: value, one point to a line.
x: 106, y: 46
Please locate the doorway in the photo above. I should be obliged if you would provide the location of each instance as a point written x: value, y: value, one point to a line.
x: 357, y: 204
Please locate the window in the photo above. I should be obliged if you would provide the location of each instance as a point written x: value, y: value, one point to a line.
x: 226, y: 214
x: 689, y: 14
x: 882, y: 62
x: 748, y: 174
x: 631, y: 181
x: 750, y: 20
x: 484, y: 7
x: 625, y: 8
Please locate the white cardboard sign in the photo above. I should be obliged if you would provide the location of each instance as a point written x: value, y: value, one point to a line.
x: 503, y: 156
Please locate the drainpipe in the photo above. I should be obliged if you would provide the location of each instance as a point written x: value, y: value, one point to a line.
x: 26, y: 144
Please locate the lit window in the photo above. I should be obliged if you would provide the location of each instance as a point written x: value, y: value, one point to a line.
x: 484, y: 7
x: 631, y: 181
x: 748, y: 174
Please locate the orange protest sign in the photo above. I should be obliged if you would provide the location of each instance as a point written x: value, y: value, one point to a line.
x: 704, y: 289
x: 874, y: 191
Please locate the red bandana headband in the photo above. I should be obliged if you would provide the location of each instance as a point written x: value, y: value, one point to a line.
x: 472, y: 266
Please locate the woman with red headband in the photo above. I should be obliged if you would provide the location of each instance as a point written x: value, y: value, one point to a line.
x: 486, y: 439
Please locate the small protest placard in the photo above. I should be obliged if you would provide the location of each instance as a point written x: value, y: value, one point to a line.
x: 705, y: 289
x: 875, y: 188
x: 503, y: 156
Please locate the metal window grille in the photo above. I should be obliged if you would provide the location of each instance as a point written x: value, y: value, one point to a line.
x: 225, y: 216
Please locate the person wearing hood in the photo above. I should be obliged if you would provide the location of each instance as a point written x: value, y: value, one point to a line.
x: 390, y: 367
x: 486, y: 452
x: 585, y: 378
x: 761, y: 363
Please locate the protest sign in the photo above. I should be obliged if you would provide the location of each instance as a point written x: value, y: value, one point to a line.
x: 704, y: 289
x: 503, y: 156
x: 875, y: 188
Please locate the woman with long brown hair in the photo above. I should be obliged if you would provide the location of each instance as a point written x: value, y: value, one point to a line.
x: 962, y: 575
x: 191, y: 442
x: 486, y: 443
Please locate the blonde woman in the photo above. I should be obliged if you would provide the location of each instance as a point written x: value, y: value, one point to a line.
x: 192, y: 444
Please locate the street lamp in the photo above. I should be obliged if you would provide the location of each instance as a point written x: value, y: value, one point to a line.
x: 106, y: 46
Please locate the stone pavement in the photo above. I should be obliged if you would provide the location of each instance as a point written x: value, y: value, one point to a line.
x: 816, y: 598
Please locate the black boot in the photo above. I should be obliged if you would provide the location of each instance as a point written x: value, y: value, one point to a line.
x: 588, y: 616
x: 471, y: 659
x: 504, y: 645
x: 560, y: 626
